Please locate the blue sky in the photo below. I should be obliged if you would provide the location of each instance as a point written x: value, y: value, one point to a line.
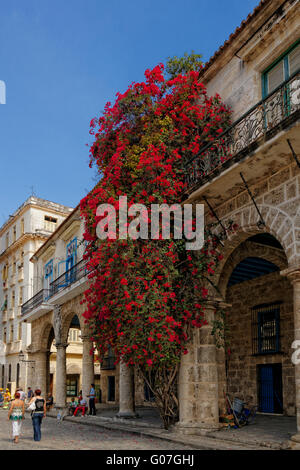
x: 63, y: 60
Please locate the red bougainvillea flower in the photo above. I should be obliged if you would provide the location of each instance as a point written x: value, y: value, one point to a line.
x: 146, y: 295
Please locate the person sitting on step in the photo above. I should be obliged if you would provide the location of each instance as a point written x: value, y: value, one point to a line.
x: 81, y: 407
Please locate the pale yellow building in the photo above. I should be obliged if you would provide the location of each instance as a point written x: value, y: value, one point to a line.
x: 60, y: 343
x: 20, y: 236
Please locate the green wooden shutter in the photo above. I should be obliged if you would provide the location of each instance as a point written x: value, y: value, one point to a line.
x: 275, y: 76
x: 294, y: 60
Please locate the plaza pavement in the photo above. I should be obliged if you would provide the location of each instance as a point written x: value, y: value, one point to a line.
x: 106, y: 432
x: 268, y: 432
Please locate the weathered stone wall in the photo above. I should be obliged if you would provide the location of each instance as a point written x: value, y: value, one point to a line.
x: 278, y: 199
x: 238, y: 78
x: 242, y: 365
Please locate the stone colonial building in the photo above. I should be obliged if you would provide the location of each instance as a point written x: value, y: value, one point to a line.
x: 20, y: 236
x: 250, y: 177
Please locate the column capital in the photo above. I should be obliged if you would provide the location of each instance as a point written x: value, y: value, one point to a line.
x: 85, y: 337
x: 292, y: 273
x: 61, y: 345
x: 37, y: 351
x: 215, y: 302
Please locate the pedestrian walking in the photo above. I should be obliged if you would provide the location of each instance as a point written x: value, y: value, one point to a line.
x: 7, y: 399
x: 16, y: 414
x: 1, y: 397
x: 92, y: 396
x: 30, y: 394
x: 37, y: 414
x: 49, y: 402
x: 22, y: 394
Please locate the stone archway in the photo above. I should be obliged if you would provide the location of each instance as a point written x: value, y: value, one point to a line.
x: 249, y: 249
x: 69, y: 318
x: 278, y: 223
x: 202, y: 379
x: 261, y: 328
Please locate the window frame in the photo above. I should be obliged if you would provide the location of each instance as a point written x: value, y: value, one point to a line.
x: 48, y: 277
x: 284, y: 56
x: 258, y: 322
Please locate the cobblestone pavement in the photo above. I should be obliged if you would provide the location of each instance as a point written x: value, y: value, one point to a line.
x: 74, y: 436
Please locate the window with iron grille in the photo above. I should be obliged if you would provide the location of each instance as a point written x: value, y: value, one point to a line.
x: 266, y: 328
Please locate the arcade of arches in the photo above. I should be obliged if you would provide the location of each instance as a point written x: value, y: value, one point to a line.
x: 64, y: 366
x: 259, y: 286
x: 259, y: 305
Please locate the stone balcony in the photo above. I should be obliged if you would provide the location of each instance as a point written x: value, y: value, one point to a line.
x: 108, y: 363
x: 20, y: 274
x: 260, y: 135
x: 12, y: 280
x: 37, y: 305
x: 11, y: 313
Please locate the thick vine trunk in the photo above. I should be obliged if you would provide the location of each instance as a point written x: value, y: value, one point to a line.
x: 162, y: 381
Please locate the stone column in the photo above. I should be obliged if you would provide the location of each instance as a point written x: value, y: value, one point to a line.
x: 61, y: 375
x: 61, y: 365
x: 47, y: 372
x: 293, y: 274
x: 28, y: 371
x: 87, y: 365
x: 126, y: 392
x: 39, y: 369
x: 221, y: 362
x: 198, y: 381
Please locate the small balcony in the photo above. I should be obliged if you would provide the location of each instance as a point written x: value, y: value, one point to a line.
x: 20, y: 274
x: 35, y: 301
x: 65, y: 280
x: 108, y: 363
x: 12, y: 280
x: 277, y: 112
x: 11, y: 313
x: 61, y: 289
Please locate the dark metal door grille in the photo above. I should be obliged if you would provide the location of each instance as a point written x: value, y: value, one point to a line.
x: 265, y: 325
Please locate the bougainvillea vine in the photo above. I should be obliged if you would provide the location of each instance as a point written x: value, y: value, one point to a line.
x: 146, y: 295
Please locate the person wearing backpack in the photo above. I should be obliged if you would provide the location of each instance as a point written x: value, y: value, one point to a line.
x: 38, y: 407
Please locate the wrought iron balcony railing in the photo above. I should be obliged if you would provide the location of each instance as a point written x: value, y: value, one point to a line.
x: 78, y: 271
x: 261, y: 122
x: 36, y: 300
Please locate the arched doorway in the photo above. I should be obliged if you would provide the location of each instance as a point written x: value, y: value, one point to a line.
x: 260, y: 325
